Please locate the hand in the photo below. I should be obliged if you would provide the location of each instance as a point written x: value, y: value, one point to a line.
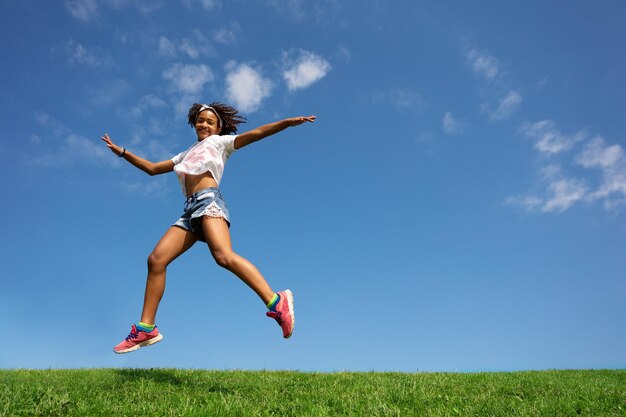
x: 296, y: 121
x: 113, y: 147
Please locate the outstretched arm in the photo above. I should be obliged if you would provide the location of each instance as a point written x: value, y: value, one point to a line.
x: 270, y: 129
x: 150, y: 168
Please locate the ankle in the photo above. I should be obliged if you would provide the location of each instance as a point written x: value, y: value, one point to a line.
x: 145, y: 327
x: 271, y: 306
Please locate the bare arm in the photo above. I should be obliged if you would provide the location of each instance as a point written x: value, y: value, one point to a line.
x: 269, y: 129
x: 150, y: 168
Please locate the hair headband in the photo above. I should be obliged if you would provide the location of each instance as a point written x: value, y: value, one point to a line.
x: 205, y: 107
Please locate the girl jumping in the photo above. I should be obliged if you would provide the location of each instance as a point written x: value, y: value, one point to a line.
x: 205, y: 217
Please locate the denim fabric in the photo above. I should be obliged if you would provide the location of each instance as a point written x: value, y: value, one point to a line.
x: 208, y: 202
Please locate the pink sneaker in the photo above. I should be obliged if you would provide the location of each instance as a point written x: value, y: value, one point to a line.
x: 284, y: 314
x: 137, y: 339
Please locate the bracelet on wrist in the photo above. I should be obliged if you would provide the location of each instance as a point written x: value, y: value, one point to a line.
x: 122, y: 153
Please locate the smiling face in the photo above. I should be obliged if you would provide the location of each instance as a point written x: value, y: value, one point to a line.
x: 207, y: 124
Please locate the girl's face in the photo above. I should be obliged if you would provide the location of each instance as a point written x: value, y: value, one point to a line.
x: 207, y: 125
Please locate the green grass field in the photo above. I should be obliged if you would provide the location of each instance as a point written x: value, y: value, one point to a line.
x: 174, y: 392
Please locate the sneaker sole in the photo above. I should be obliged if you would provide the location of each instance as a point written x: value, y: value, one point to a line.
x: 140, y: 345
x: 293, y: 315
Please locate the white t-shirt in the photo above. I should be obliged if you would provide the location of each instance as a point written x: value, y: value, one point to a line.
x: 209, y: 154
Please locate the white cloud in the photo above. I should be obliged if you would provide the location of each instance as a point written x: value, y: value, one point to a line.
x: 151, y: 100
x: 188, y: 79
x: 82, y: 9
x: 407, y: 99
x: 401, y: 99
x: 181, y: 104
x: 55, y: 145
x: 291, y: 8
x: 78, y: 54
x: 612, y: 163
x: 166, y: 47
x: 189, y: 48
x: 205, y: 4
x: 75, y: 149
x: 450, y: 123
x: 488, y: 67
x: 559, y: 194
x: 145, y: 103
x: 548, y: 139
x: 50, y: 124
x: 507, y: 105
x: 197, y: 45
x: 246, y: 87
x: 597, y: 155
x: 563, y: 193
x: 228, y: 35
x: 152, y: 186
x: 483, y: 64
x: 141, y: 5
x: 343, y: 54
x: 335, y: 13
x: 529, y: 203
x: 560, y: 191
x: 194, y: 46
x: 551, y: 172
x: 307, y: 69
x: 82, y: 148
x: 87, y: 10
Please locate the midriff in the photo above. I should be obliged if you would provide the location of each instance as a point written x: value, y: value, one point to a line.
x: 195, y: 183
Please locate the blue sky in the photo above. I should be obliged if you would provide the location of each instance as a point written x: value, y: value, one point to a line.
x: 459, y: 205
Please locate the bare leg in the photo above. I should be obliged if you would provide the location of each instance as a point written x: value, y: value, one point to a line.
x: 218, y: 238
x: 173, y: 243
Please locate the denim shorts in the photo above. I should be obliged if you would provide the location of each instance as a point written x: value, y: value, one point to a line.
x: 208, y: 202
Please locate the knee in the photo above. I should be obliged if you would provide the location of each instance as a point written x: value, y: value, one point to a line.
x: 156, y: 262
x: 224, y: 258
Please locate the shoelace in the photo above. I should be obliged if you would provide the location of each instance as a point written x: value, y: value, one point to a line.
x: 133, y: 334
x: 279, y: 317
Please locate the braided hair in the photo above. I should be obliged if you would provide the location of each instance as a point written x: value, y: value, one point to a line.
x: 229, y: 115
